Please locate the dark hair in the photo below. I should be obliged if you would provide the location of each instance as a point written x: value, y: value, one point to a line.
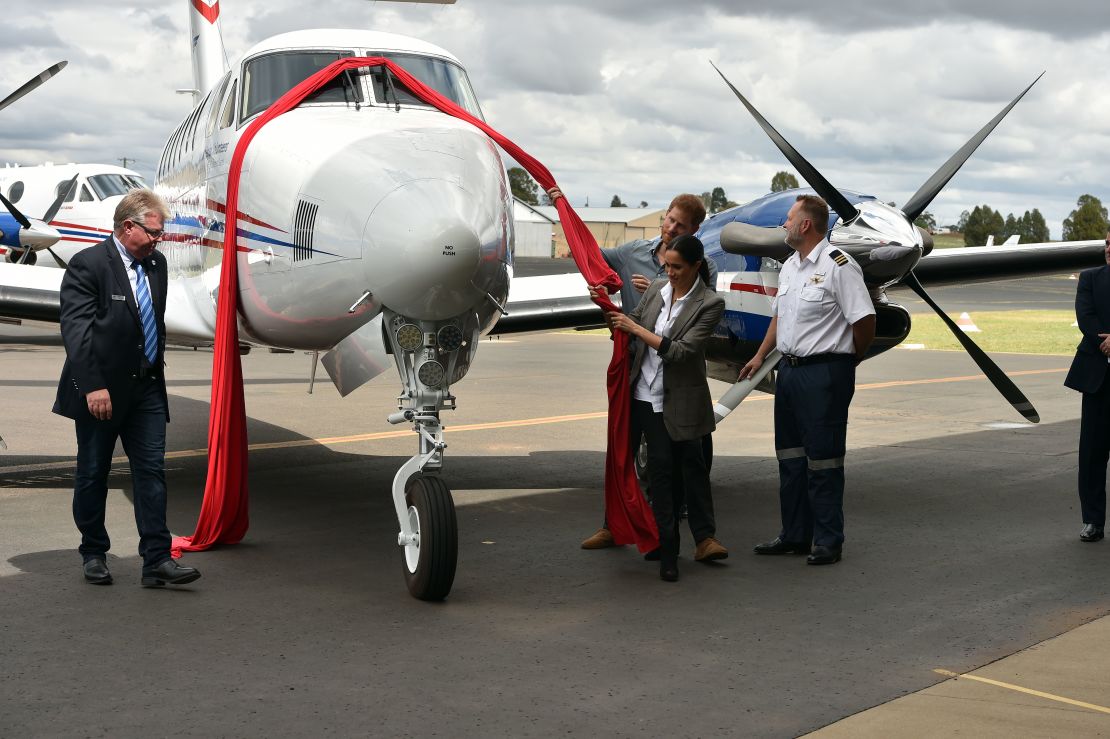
x: 817, y: 211
x: 691, y: 205
x: 690, y: 248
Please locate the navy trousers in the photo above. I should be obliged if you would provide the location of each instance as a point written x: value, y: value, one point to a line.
x: 811, y: 429
x: 142, y: 429
x: 677, y: 472
x: 1094, y: 452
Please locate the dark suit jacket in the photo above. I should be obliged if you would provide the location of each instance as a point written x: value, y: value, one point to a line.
x: 687, y: 405
x: 101, y: 329
x: 1092, y: 311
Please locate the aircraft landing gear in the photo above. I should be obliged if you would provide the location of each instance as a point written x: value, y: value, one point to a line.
x: 429, y: 532
x: 429, y: 355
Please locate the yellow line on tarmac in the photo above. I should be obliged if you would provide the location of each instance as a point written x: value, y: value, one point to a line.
x: 1027, y: 691
x: 963, y: 378
x: 293, y: 443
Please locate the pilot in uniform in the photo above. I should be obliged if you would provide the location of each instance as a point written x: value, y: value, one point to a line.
x: 823, y: 322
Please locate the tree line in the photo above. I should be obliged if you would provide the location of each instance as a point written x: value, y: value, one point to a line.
x: 1088, y: 221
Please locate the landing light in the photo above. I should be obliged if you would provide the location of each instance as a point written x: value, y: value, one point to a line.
x: 431, y: 373
x: 409, y: 337
x: 450, y: 337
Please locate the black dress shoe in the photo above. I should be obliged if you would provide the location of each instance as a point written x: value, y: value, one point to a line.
x: 653, y: 555
x: 668, y: 572
x: 96, y: 572
x: 1090, y: 532
x: 168, y: 573
x: 823, y: 556
x: 778, y: 546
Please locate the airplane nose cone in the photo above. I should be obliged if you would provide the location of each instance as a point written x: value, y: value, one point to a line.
x: 38, y: 236
x: 423, y: 253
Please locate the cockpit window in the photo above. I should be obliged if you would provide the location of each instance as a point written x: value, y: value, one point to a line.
x: 442, y: 76
x: 267, y: 78
x: 110, y: 185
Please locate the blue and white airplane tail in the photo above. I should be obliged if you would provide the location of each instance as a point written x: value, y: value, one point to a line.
x: 207, y: 43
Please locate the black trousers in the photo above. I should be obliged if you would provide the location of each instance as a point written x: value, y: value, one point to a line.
x: 811, y: 429
x: 142, y: 429
x: 1094, y: 451
x: 677, y: 472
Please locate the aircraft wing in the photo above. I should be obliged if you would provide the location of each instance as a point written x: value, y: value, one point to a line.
x: 546, y: 302
x: 30, y: 293
x: 988, y: 263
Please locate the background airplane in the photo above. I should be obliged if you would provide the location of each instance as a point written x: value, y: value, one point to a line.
x: 20, y: 236
x: 379, y: 230
x: 77, y: 202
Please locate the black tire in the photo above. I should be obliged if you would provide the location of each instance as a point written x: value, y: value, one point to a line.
x: 434, y: 572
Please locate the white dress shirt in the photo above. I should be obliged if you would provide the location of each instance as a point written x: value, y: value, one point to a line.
x: 818, y: 300
x: 132, y: 273
x: 649, y: 385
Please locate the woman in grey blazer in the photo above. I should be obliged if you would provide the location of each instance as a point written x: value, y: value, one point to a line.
x: 671, y: 405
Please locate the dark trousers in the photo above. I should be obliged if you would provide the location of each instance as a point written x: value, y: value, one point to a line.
x: 811, y: 428
x: 676, y: 472
x: 142, y: 429
x: 1094, y: 451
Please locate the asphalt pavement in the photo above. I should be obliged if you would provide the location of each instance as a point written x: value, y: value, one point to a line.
x: 962, y: 550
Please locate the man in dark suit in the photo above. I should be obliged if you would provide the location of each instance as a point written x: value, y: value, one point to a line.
x: 1089, y: 375
x: 113, y: 300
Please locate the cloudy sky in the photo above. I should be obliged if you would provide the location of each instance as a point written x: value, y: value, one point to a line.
x: 618, y: 97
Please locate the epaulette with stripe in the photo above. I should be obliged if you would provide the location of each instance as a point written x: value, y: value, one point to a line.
x: 839, y: 257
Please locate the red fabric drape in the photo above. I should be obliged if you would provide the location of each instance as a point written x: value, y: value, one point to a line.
x: 223, y: 515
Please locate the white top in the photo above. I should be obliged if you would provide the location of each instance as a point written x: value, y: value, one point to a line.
x: 132, y: 273
x: 817, y: 303
x: 649, y: 385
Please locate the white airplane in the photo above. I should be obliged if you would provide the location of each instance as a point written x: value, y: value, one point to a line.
x: 372, y: 225
x: 369, y: 224
x: 82, y: 217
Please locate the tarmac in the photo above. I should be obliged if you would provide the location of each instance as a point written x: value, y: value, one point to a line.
x: 962, y: 559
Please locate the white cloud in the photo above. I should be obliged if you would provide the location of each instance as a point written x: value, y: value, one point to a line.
x: 617, y: 96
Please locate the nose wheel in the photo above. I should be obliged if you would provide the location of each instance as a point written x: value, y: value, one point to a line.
x: 431, y: 553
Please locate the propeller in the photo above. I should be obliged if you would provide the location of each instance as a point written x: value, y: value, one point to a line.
x: 740, y: 390
x: 920, y: 200
x: 16, y: 213
x: 816, y: 180
x: 916, y: 205
x: 993, y: 372
x: 57, y: 204
x: 32, y: 83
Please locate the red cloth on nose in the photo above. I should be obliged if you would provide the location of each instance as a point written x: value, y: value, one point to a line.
x: 223, y: 514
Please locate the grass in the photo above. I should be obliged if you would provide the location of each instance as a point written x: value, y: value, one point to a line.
x: 1021, y: 332
x: 948, y: 241
x: 1017, y: 332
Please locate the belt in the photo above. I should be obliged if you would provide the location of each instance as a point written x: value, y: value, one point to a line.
x: 795, y: 361
x: 146, y: 373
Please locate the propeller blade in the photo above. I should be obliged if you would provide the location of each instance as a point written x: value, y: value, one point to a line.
x: 816, y: 180
x: 32, y: 83
x: 920, y: 200
x: 57, y: 259
x: 19, y: 217
x: 993, y: 372
x: 57, y: 204
x: 740, y: 390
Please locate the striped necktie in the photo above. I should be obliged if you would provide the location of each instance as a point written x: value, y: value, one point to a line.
x: 146, y: 314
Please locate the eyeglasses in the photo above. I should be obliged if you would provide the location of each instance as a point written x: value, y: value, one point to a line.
x: 152, y: 233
